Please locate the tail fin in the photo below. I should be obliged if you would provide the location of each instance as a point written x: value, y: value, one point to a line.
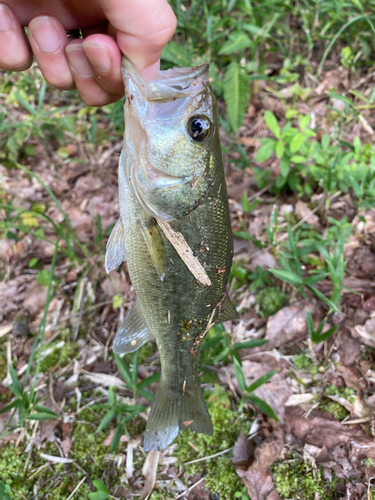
x: 171, y: 413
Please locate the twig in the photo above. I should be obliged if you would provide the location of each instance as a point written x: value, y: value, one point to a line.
x: 357, y: 421
x: 191, y: 487
x: 210, y: 456
x: 83, y: 293
x: 185, y: 252
x: 76, y: 488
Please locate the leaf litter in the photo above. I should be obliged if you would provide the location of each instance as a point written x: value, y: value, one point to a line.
x: 308, y: 429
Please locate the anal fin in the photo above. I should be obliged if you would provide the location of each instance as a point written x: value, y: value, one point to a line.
x: 115, y: 253
x: 133, y: 332
x: 155, y: 245
x: 227, y: 312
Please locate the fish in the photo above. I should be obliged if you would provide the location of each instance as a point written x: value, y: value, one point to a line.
x: 172, y: 199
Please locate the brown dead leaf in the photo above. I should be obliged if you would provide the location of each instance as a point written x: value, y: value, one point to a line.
x: 362, y: 263
x: 35, y: 299
x: 259, y: 484
x: 263, y: 259
x: 286, y: 325
x: 332, y: 80
x: 114, y: 284
x: 65, y: 429
x: 352, y: 377
x: 108, y: 439
x: 275, y: 392
x: 349, y: 348
x: 269, y: 451
x: 258, y: 478
x: 367, y: 332
x: 302, y: 211
x: 345, y: 446
x: 243, y: 451
x: 149, y: 471
x: 66, y: 445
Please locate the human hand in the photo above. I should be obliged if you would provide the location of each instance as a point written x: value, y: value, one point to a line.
x: 137, y: 28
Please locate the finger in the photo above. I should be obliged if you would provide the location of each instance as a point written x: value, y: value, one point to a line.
x: 91, y: 92
x: 48, y: 40
x: 144, y: 28
x: 105, y: 59
x: 15, y: 53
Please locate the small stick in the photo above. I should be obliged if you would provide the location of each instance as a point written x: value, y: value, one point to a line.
x: 76, y: 488
x: 211, y: 456
x: 191, y: 487
x: 185, y: 252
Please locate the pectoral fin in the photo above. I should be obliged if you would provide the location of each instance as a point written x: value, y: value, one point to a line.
x: 155, y: 245
x: 115, y: 253
x: 228, y: 311
x: 133, y: 332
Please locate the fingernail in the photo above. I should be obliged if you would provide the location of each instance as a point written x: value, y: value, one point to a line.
x: 45, y: 33
x: 6, y: 19
x: 78, y: 60
x: 151, y: 72
x: 98, y: 56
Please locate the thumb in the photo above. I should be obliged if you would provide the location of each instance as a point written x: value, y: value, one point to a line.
x: 143, y: 27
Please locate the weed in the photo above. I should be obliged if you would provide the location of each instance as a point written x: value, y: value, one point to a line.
x: 270, y: 300
x: 248, y: 390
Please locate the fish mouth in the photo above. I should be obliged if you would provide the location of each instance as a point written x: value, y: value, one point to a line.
x: 171, y: 84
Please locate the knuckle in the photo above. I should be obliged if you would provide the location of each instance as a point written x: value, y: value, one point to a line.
x: 164, y: 29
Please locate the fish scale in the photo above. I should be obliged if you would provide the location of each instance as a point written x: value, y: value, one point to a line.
x: 170, y: 305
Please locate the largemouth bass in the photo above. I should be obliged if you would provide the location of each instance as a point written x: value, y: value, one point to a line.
x: 171, y: 175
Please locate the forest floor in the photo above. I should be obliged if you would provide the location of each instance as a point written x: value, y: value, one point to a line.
x: 59, y: 202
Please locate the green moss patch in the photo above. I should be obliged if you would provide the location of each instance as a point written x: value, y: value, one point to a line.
x: 221, y: 477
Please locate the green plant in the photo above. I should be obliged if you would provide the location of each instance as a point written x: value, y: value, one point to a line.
x: 116, y: 408
x: 26, y: 405
x: 318, y: 335
x: 291, y: 146
x: 248, y: 390
x: 101, y: 494
x: 39, y: 121
x: 5, y: 491
x: 294, y: 479
x: 270, y: 300
x: 228, y: 349
x: 242, y: 495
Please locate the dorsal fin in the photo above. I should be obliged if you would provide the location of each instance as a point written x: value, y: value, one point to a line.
x: 155, y: 245
x: 115, y: 253
x: 228, y: 311
x: 133, y: 332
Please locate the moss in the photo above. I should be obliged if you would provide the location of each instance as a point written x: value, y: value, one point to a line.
x: 3, y: 361
x: 60, y: 355
x: 301, y: 361
x: 342, y: 392
x: 337, y: 410
x: 221, y: 477
x: 270, y: 300
x: 161, y: 494
x: 294, y: 479
x: 91, y: 459
x: 144, y: 353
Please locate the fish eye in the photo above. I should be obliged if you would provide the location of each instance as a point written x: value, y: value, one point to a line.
x: 199, y: 128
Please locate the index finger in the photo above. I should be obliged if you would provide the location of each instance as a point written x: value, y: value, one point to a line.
x: 143, y: 30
